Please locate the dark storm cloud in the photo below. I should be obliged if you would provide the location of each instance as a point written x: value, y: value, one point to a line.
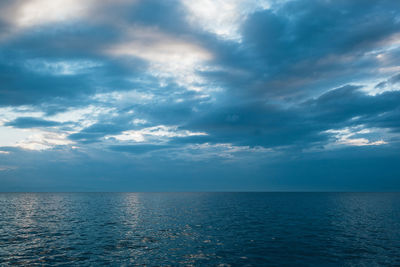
x: 19, y: 86
x: 97, y: 131
x: 31, y: 122
x: 258, y: 123
x: 255, y: 124
x: 303, y: 125
x: 26, y: 77
x: 348, y: 106
x: 300, y: 46
x: 108, y: 125
x: 340, y: 105
x: 307, y: 46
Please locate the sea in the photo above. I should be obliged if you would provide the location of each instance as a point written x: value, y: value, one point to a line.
x: 200, y: 229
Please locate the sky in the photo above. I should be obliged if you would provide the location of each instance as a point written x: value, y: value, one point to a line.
x: 205, y: 95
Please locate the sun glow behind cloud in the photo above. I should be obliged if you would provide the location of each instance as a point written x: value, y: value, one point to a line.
x: 167, y: 56
x: 38, y: 12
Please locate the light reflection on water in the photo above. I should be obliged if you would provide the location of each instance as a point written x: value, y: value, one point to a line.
x: 200, y: 229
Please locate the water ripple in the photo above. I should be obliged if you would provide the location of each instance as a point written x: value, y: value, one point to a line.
x: 219, y: 229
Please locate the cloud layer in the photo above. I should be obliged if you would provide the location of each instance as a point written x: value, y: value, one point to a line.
x: 211, y: 95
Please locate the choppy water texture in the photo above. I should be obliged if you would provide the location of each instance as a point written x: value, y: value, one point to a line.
x: 253, y: 229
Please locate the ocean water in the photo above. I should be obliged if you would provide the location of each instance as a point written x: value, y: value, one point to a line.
x: 200, y: 229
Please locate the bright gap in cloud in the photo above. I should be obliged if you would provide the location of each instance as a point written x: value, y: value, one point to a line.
x: 11, y: 113
x: 167, y: 56
x: 222, y: 17
x: 375, y: 87
x: 32, y: 139
x: 10, y: 136
x: 356, y: 136
x: 42, y: 140
x: 83, y: 117
x: 155, y: 133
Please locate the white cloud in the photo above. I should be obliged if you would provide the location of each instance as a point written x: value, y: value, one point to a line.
x: 159, y: 48
x: 361, y: 142
x: 84, y: 117
x: 33, y: 139
x: 16, y: 137
x: 36, y: 12
x: 10, y: 136
x: 41, y: 140
x: 155, y: 133
x: 222, y: 17
x: 139, y: 121
x: 167, y: 56
x: 348, y: 137
x: 11, y: 113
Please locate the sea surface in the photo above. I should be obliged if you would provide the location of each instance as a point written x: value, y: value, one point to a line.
x: 200, y: 229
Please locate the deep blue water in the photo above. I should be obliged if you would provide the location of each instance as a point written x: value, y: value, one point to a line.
x: 225, y: 229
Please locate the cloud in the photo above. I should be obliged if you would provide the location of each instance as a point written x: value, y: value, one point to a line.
x: 164, y: 87
x: 136, y: 149
x: 350, y: 105
x: 348, y: 137
x: 289, y: 51
x: 31, y: 122
x: 357, y: 169
x: 222, y: 18
x: 44, y: 140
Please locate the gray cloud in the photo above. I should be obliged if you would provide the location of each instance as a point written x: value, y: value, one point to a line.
x: 301, y: 68
x: 31, y: 122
